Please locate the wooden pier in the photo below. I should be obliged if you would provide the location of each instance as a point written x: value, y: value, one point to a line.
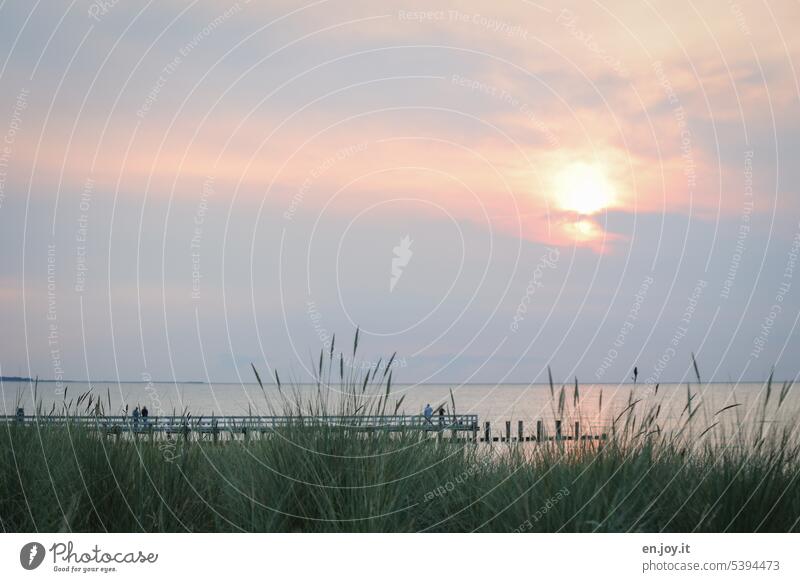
x: 455, y: 427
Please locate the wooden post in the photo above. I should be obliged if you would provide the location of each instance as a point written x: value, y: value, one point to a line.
x: 475, y: 432
x: 520, y: 432
x: 539, y: 431
x: 558, y: 430
x: 577, y: 436
x: 487, y: 432
x: 508, y: 431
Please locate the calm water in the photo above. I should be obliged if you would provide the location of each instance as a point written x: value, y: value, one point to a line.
x: 496, y: 403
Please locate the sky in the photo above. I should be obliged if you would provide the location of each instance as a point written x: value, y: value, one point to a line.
x: 487, y: 189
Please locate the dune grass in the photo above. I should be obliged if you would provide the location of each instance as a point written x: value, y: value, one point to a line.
x: 642, y: 478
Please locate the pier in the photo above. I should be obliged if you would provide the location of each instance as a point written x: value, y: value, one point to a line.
x: 451, y: 426
x: 456, y: 425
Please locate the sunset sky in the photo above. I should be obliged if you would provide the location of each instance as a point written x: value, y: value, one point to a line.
x: 487, y: 188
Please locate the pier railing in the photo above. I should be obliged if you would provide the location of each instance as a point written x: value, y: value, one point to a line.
x: 215, y: 424
x: 454, y: 424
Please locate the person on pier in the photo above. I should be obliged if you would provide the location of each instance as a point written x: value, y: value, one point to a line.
x: 428, y: 412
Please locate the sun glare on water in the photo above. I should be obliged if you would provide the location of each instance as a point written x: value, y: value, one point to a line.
x: 583, y: 188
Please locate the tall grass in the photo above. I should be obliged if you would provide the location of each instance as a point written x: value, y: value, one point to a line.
x: 704, y: 475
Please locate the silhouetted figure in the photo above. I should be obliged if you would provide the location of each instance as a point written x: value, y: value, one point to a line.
x: 635, y: 374
x: 145, y: 412
x: 136, y: 418
x: 428, y: 412
x: 441, y: 417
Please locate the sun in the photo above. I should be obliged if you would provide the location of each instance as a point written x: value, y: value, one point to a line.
x: 583, y: 188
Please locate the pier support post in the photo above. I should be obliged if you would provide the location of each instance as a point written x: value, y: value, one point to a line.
x: 508, y: 431
x: 558, y: 430
x: 577, y: 436
x: 520, y: 432
x: 487, y: 432
x: 539, y: 431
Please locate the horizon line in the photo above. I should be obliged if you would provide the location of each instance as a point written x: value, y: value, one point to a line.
x: 24, y: 379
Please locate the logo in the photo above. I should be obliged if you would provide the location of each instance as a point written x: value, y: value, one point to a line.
x: 31, y: 555
x: 402, y: 255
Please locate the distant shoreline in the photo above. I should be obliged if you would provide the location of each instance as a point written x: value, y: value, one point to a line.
x: 202, y: 382
x: 43, y: 381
